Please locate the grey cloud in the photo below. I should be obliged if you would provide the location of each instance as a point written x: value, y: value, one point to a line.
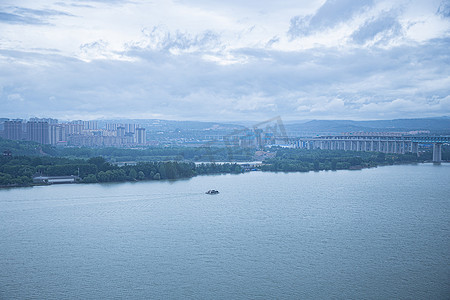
x: 331, y: 13
x: 299, y: 26
x: 260, y: 5
x: 18, y: 19
x: 92, y: 3
x: 105, y: 1
x: 304, y: 84
x: 94, y: 49
x: 160, y: 38
x: 183, y: 41
x: 386, y: 23
x: 21, y: 15
x: 67, y: 4
x: 272, y: 41
x: 444, y: 9
x: 40, y: 12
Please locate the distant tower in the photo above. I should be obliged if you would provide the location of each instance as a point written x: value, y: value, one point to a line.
x: 12, y: 130
x: 38, y: 132
x: 140, y: 136
x: 72, y: 128
x: 258, y: 138
x: 57, y: 133
x: 90, y: 125
x: 2, y: 120
x: 112, y: 127
x: 120, y: 131
x: 48, y: 120
x: 130, y: 128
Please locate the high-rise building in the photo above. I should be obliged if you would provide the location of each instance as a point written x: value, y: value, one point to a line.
x: 121, y: 131
x: 129, y: 138
x: 79, y: 122
x: 72, y: 128
x: 2, y: 121
x: 38, y: 132
x: 90, y: 125
x: 112, y: 127
x: 13, y: 129
x: 140, y: 136
x: 48, y: 120
x: 57, y: 133
x: 258, y: 137
x: 130, y: 128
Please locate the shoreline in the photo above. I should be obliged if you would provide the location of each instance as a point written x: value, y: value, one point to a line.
x: 355, y: 168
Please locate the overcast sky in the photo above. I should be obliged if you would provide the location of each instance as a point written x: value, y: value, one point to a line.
x: 225, y: 60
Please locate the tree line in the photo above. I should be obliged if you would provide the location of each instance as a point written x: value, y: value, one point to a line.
x: 19, y: 170
x: 159, y: 163
x: 299, y: 160
x: 154, y: 153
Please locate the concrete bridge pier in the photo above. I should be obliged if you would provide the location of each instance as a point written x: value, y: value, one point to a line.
x: 437, y: 152
x: 415, y: 148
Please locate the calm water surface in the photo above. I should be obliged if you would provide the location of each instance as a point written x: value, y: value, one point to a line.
x: 379, y: 233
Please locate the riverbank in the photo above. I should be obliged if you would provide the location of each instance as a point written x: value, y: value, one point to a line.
x: 20, y: 171
x: 196, y: 175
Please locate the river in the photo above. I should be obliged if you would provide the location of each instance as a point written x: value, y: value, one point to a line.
x: 380, y: 233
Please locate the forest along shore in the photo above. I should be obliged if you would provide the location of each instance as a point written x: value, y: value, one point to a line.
x: 28, y: 170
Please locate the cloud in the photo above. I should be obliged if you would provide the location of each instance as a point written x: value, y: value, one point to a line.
x: 155, y: 59
x: 160, y: 38
x: 96, y: 50
x: 251, y: 5
x: 15, y: 97
x: 407, y: 107
x: 22, y: 15
x: 109, y: 2
x: 320, y: 105
x: 254, y: 101
x: 383, y: 27
x: 39, y: 12
x: 317, y: 83
x: 18, y: 19
x: 330, y: 14
x: 444, y: 9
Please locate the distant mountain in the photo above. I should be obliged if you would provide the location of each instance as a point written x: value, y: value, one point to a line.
x: 170, y: 125
x: 440, y: 125
x: 434, y: 125
x: 411, y: 124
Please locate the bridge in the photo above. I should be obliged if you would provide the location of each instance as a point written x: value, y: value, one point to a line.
x: 378, y: 143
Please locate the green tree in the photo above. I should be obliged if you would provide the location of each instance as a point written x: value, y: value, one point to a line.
x: 98, y: 161
x: 334, y: 164
x: 316, y: 165
x: 132, y: 174
x: 91, y: 178
x: 102, y: 176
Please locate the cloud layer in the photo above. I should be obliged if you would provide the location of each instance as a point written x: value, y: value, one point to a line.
x: 334, y: 59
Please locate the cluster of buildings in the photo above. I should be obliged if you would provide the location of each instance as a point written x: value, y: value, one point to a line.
x: 248, y: 138
x: 74, y: 133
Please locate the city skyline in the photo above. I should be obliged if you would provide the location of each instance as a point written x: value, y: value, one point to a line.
x: 213, y: 61
x: 50, y: 131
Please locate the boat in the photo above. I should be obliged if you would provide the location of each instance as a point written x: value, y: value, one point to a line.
x: 212, y: 192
